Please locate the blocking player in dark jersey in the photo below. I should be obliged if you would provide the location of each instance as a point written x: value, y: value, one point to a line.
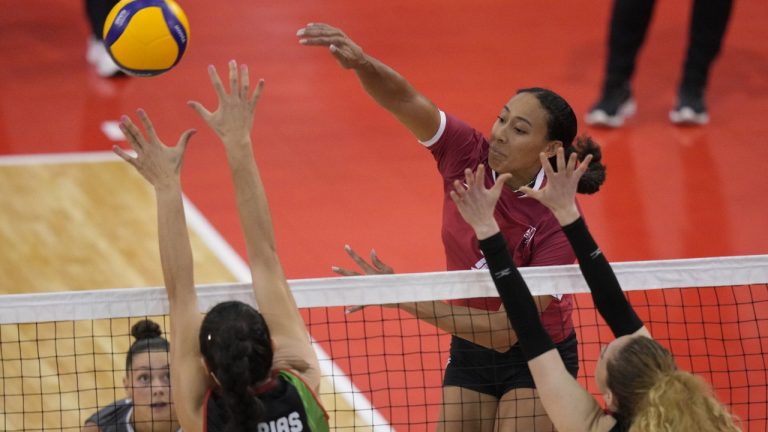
x: 236, y: 368
x: 486, y: 383
x: 642, y: 387
x: 147, y: 384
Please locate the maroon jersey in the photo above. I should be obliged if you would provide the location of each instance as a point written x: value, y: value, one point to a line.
x: 533, y: 234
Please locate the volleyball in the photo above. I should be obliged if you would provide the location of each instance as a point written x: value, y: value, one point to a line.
x: 146, y: 37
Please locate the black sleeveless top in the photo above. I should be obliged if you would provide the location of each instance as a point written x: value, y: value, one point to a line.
x: 289, y: 406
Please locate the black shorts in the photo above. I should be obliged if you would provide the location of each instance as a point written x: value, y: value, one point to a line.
x: 494, y: 373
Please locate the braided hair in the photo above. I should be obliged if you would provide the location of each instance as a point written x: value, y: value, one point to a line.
x: 236, y: 345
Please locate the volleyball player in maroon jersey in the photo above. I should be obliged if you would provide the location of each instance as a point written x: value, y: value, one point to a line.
x: 487, y: 383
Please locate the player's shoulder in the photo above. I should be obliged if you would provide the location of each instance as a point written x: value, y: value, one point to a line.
x: 454, y: 131
x: 114, y: 414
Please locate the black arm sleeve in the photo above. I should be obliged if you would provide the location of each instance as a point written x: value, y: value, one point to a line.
x: 606, y: 291
x: 517, y: 300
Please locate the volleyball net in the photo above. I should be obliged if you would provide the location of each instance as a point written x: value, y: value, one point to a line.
x: 62, y: 355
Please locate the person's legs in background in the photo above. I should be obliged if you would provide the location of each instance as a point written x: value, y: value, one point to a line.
x: 630, y: 20
x: 709, y: 19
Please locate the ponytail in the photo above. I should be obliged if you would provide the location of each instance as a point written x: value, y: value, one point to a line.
x: 236, y: 345
x: 234, y: 375
x: 594, y: 177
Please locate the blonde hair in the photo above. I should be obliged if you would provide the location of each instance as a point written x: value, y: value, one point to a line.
x: 681, y: 401
x: 652, y: 395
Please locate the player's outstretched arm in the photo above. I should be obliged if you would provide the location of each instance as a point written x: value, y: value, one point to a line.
x: 232, y: 121
x: 387, y: 87
x: 161, y: 166
x: 489, y: 329
x: 559, y: 195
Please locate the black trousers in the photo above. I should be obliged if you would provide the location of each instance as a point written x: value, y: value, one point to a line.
x: 629, y: 24
x: 97, y: 11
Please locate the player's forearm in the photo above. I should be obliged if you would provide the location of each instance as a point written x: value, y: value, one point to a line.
x: 395, y: 94
x: 485, y: 328
x: 175, y: 249
x: 256, y: 222
x: 385, y: 85
x: 606, y: 292
x: 520, y: 306
x: 251, y: 199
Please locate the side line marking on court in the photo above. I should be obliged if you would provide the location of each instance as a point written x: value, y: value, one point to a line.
x: 60, y: 158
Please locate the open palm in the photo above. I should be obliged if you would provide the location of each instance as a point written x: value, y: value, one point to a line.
x: 559, y: 194
x: 155, y: 161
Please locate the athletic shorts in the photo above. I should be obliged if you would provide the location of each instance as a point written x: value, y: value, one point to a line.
x: 494, y: 373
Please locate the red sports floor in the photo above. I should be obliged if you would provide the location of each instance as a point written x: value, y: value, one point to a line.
x: 339, y: 170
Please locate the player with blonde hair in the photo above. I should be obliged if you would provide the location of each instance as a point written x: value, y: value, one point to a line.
x: 643, y: 389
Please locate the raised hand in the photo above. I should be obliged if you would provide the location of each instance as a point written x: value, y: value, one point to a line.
x: 476, y: 203
x: 156, y: 162
x: 375, y: 267
x: 559, y: 194
x: 233, y: 118
x: 347, y: 53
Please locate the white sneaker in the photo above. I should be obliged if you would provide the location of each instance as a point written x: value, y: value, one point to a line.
x: 616, y: 104
x: 601, y: 118
x: 690, y: 109
x: 95, y: 46
x: 686, y: 116
x: 97, y: 55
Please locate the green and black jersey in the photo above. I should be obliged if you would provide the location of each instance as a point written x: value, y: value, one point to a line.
x: 289, y: 406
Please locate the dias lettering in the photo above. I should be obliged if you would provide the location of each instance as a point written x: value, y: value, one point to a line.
x: 289, y: 423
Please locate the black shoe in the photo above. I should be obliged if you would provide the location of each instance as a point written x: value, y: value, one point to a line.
x: 690, y: 109
x: 614, y: 107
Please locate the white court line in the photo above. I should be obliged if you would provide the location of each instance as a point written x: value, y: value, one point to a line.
x: 59, y: 158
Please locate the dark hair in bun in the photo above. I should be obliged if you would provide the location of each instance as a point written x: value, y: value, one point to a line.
x: 148, y: 338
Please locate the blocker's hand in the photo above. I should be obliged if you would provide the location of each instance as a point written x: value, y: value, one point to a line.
x: 233, y: 119
x: 476, y: 203
x: 559, y: 194
x: 156, y: 162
